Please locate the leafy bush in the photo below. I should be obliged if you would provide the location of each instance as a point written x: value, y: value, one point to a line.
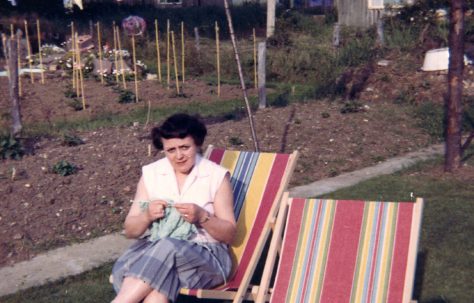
x: 64, y: 168
x: 10, y: 148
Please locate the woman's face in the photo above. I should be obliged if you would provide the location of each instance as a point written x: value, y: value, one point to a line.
x: 181, y: 153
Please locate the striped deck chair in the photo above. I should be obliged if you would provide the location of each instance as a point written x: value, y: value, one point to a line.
x: 258, y: 181
x: 343, y: 251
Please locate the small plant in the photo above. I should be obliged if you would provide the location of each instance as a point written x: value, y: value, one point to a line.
x: 351, y: 107
x: 70, y: 92
x: 235, y: 141
x: 10, y: 148
x: 75, y: 103
x: 281, y: 100
x: 72, y: 140
x: 385, y: 78
x: 126, y: 96
x: 64, y: 168
x: 431, y: 118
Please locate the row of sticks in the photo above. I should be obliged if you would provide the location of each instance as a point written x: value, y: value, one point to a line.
x: 77, y: 73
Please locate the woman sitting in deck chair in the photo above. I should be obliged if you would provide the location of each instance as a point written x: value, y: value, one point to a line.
x: 186, y: 202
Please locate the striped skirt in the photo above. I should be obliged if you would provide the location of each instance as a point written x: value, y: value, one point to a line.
x: 170, y: 264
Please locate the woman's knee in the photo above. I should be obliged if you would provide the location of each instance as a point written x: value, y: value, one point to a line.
x: 155, y: 297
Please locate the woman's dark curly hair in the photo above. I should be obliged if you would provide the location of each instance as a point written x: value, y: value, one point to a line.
x: 179, y: 126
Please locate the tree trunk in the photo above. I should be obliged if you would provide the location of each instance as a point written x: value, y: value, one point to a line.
x: 455, y: 85
x: 13, y: 80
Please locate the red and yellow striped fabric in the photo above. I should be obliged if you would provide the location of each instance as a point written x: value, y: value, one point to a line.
x: 348, y: 251
x: 258, y: 181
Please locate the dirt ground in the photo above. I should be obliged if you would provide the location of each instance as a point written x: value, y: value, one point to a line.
x: 40, y: 210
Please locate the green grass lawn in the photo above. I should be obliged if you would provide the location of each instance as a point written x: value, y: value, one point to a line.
x: 445, y: 261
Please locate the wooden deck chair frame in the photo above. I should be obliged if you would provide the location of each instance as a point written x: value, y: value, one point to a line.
x: 238, y: 288
x: 405, y: 224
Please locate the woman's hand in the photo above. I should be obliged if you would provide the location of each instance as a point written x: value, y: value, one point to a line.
x: 191, y: 212
x: 156, y: 210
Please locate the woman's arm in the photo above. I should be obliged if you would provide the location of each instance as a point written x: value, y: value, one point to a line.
x: 138, y: 220
x: 221, y: 226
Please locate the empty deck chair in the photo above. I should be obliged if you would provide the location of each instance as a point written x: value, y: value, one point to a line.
x: 258, y: 180
x: 343, y: 251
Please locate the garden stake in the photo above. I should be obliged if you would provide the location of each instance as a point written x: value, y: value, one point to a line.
x: 39, y: 50
x: 255, y: 58
x: 76, y: 65
x: 218, y: 62
x: 182, y: 50
x: 241, y: 76
x: 135, y: 68
x: 115, y: 53
x: 18, y: 34
x: 100, y: 54
x: 122, y: 69
x: 81, y: 77
x: 168, y: 72
x: 158, y: 58
x: 175, y: 61
x: 28, y: 46
x: 73, y: 56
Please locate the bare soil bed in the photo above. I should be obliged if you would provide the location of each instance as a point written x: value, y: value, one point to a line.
x: 40, y: 210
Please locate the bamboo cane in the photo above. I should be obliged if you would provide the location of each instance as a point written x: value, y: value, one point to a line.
x: 158, y: 57
x: 168, y: 71
x: 175, y: 61
x: 73, y: 56
x: 218, y: 61
x: 255, y: 59
x: 100, y: 53
x: 81, y: 77
x: 122, y: 69
x: 115, y: 54
x: 4, y: 41
x: 76, y: 67
x: 28, y: 46
x: 182, y: 50
x: 135, y: 72
x: 241, y: 76
x: 39, y: 50
x: 20, y: 90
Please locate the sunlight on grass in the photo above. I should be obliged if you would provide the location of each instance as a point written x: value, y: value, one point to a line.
x: 214, y: 109
x: 92, y: 286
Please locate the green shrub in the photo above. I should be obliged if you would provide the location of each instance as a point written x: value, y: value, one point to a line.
x: 64, y: 168
x: 10, y: 148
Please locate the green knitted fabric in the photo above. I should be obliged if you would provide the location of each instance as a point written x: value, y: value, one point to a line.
x: 172, y: 225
